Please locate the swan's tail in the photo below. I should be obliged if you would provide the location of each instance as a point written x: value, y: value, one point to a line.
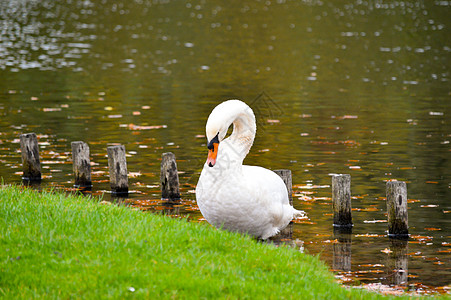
x: 299, y: 214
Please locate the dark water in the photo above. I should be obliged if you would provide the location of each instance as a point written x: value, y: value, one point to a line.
x: 361, y: 87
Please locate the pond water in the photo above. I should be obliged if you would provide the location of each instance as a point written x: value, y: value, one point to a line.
x: 356, y: 87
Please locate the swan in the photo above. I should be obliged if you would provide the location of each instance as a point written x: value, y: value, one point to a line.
x: 233, y: 196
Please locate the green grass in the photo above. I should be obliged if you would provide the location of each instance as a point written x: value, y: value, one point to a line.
x: 56, y: 246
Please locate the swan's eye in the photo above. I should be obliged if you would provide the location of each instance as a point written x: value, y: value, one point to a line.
x: 213, y: 141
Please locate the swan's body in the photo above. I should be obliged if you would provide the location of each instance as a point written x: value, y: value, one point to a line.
x: 233, y: 196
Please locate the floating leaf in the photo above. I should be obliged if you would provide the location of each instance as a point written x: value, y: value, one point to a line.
x: 344, y: 117
x: 305, y: 198
x: 436, y: 113
x: 421, y: 237
x: 375, y: 221
x: 137, y: 127
x: 369, y: 271
x: 311, y: 186
x: 304, y: 193
x: 366, y: 209
x: 52, y: 162
x: 331, y: 241
x: 368, y: 235
x: 192, y: 208
x: 298, y: 221
x: 372, y: 265
x: 114, y: 116
x: 413, y: 200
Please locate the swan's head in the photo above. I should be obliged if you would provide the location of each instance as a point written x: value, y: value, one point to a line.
x: 216, y: 130
x: 222, y: 116
x: 213, y: 146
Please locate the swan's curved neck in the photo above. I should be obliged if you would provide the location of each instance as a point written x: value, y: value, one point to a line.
x: 233, y: 149
x: 243, y: 134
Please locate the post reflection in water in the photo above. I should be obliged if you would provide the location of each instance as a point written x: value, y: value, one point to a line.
x: 342, y: 249
x: 398, y: 262
x: 118, y: 199
x: 33, y: 184
x: 171, y: 208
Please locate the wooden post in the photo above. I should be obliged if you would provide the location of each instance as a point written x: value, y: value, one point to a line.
x: 341, y: 200
x: 118, y: 169
x: 169, y: 178
x: 285, y: 174
x: 81, y: 164
x: 397, y: 209
x: 30, y: 157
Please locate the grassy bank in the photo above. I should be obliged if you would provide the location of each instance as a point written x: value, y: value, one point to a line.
x: 55, y: 246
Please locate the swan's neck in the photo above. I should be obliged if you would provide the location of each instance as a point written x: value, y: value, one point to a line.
x: 232, y: 150
x: 242, y: 137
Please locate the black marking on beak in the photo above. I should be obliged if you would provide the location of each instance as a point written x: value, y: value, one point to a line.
x: 213, y: 141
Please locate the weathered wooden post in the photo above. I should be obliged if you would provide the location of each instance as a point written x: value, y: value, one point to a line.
x: 341, y: 200
x: 285, y: 174
x: 341, y: 203
x: 397, y: 209
x: 169, y: 178
x: 30, y: 157
x: 81, y: 164
x: 118, y: 169
x: 287, y: 232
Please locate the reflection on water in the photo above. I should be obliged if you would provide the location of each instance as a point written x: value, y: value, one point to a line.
x: 358, y: 87
x: 342, y: 249
x: 399, y: 262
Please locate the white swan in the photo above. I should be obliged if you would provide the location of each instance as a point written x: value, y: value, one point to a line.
x: 246, y: 199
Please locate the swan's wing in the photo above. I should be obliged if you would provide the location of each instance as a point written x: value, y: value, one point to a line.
x: 272, y: 187
x: 269, y: 187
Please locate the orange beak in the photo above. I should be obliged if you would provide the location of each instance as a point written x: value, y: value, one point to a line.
x: 212, y: 153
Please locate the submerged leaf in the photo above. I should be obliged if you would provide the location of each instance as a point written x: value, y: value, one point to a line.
x: 387, y: 251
